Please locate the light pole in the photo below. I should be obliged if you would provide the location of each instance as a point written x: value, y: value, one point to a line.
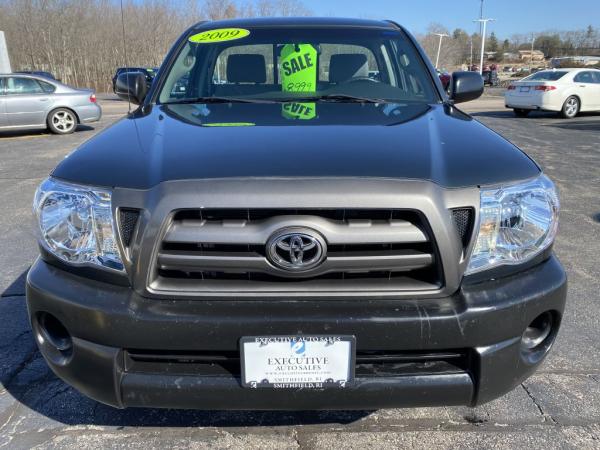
x: 437, y: 59
x: 471, y: 60
x: 484, y: 23
x: 480, y: 16
x: 4, y: 60
x: 532, y: 45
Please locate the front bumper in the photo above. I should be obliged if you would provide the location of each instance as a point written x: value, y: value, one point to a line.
x: 107, y: 322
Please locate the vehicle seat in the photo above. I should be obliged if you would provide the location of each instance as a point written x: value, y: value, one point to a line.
x: 246, y: 75
x: 344, y: 67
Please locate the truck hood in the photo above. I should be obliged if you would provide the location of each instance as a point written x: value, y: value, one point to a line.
x: 406, y: 141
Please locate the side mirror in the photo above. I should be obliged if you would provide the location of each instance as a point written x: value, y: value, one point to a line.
x: 465, y: 86
x: 132, y: 86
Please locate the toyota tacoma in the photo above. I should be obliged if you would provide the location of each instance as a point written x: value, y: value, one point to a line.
x: 296, y: 216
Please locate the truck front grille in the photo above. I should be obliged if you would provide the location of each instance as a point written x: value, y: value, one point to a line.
x: 224, y: 250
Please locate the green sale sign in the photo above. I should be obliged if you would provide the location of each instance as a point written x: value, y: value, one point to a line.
x: 298, y: 73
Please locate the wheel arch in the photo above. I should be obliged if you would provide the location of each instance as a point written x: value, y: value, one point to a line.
x: 577, y: 96
x: 55, y: 107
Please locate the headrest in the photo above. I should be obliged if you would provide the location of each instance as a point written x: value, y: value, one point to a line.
x: 246, y: 69
x: 343, y: 67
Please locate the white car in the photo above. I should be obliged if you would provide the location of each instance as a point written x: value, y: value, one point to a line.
x: 566, y: 91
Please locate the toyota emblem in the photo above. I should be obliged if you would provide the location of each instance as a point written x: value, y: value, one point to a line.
x: 296, y: 250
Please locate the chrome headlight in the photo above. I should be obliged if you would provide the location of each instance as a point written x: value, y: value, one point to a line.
x: 516, y: 223
x: 75, y: 224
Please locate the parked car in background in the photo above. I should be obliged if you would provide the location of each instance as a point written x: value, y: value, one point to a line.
x: 490, y: 75
x: 28, y: 101
x: 148, y: 72
x: 566, y: 91
x: 445, y: 78
x: 39, y: 73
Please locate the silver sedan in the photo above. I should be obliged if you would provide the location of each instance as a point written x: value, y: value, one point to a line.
x: 28, y: 101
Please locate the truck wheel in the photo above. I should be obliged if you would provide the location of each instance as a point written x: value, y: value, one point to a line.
x: 570, y: 108
x: 521, y: 112
x: 62, y: 121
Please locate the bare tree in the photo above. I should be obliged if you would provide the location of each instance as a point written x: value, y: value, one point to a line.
x: 81, y: 41
x: 452, y: 51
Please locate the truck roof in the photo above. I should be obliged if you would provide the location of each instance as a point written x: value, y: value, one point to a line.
x: 296, y: 22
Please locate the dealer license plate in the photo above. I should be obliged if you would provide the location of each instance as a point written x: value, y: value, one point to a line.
x: 289, y: 362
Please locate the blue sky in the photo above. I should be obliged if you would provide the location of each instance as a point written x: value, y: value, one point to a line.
x: 513, y: 16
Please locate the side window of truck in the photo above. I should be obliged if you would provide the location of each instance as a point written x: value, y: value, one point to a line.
x: 178, y: 84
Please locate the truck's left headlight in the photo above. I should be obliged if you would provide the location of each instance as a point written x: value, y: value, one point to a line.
x: 516, y: 223
x: 75, y: 224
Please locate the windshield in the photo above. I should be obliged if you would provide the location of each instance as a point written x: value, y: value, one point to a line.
x: 546, y: 75
x: 298, y: 64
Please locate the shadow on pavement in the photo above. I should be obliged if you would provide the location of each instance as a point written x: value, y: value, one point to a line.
x: 39, y: 132
x: 17, y: 287
x: 579, y: 126
x: 26, y: 376
x: 553, y: 119
x: 508, y: 114
x: 501, y: 114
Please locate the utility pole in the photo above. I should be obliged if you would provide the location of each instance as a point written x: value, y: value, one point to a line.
x: 471, y: 63
x: 4, y: 61
x: 484, y: 23
x: 441, y: 36
x: 480, y: 17
x: 532, y: 44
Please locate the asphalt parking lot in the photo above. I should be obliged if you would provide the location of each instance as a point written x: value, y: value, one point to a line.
x: 559, y: 407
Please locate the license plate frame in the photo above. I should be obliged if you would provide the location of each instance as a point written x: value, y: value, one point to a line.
x: 524, y: 89
x: 316, y: 344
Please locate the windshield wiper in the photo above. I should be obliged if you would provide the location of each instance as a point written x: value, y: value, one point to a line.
x: 339, y: 98
x: 186, y: 101
x: 334, y: 98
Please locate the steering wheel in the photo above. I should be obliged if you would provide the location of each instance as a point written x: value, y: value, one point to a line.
x: 361, y: 79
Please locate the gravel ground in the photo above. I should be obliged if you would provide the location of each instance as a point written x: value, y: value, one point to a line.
x: 559, y: 407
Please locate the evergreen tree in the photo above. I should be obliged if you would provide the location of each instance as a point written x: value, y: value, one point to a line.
x: 492, y: 43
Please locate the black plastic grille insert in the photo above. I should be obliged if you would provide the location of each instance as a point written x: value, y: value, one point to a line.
x: 463, y: 221
x: 128, y: 219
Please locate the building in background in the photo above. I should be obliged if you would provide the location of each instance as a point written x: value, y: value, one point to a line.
x: 580, y: 60
x: 4, y: 61
x: 528, y: 55
x: 490, y: 56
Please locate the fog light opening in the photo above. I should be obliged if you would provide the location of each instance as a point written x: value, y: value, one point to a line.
x: 53, y: 338
x: 538, y: 331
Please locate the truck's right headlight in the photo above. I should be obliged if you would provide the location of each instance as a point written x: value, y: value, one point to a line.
x: 516, y: 223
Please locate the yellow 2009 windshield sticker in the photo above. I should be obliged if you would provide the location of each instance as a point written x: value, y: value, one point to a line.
x: 298, y: 73
x: 219, y: 35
